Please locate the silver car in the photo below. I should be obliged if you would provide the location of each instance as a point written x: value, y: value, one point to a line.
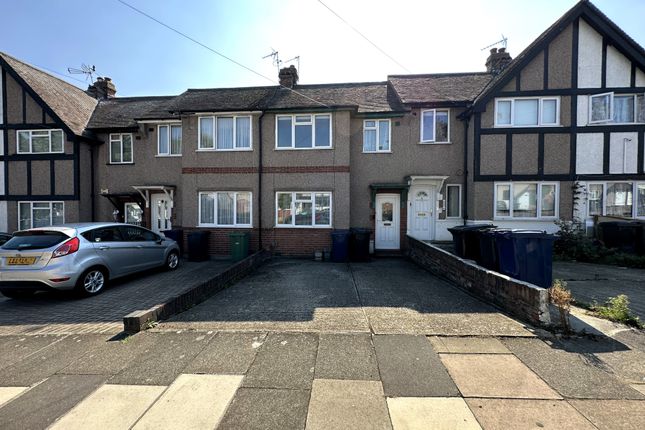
x: 80, y: 257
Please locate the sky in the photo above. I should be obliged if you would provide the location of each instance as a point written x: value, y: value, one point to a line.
x: 145, y: 58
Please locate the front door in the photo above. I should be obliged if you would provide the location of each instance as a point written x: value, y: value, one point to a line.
x: 160, y: 212
x: 422, y: 213
x: 388, y: 210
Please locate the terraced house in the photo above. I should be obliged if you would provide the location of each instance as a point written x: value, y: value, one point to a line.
x: 556, y: 132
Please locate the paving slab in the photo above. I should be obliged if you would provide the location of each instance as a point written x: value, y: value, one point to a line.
x: 267, y: 409
x: 41, y: 405
x: 437, y: 413
x: 227, y: 353
x: 343, y: 404
x: 346, y: 356
x: 191, y: 402
x: 613, y: 414
x: 47, y: 361
x: 410, y: 368
x: 503, y: 414
x: 111, y: 407
x: 164, y: 360
x: 468, y: 345
x: 495, y: 375
x: 573, y: 375
x: 639, y: 387
x: 285, y: 360
x: 7, y: 394
x: 17, y: 348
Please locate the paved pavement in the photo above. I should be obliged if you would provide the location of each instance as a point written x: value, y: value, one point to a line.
x: 596, y: 283
x: 57, y: 313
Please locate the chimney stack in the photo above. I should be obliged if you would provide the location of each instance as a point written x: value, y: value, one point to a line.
x: 102, y: 89
x: 288, y: 76
x: 497, y: 60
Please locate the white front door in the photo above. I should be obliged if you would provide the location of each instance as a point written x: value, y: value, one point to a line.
x: 422, y: 202
x: 388, y: 210
x: 160, y: 212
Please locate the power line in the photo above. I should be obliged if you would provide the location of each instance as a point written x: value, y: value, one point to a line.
x: 365, y: 37
x: 214, y: 51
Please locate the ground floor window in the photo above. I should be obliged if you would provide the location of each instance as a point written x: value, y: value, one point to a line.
x: 40, y: 214
x: 133, y: 214
x: 453, y: 201
x: 532, y: 200
x: 303, y: 209
x: 621, y: 199
x: 225, y: 209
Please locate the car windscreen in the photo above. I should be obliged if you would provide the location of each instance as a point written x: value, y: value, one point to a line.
x: 26, y: 240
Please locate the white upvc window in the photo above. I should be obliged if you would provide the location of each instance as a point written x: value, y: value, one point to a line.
x: 40, y: 214
x: 453, y: 201
x: 169, y: 140
x: 225, y: 133
x: 225, y: 209
x: 527, y: 112
x: 133, y: 214
x: 303, y: 209
x: 435, y: 126
x: 307, y: 131
x: 121, y: 148
x: 376, y: 135
x: 527, y: 200
x: 621, y: 199
x: 39, y: 141
x: 616, y: 108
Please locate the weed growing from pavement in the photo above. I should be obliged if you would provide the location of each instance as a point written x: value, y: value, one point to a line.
x: 617, y: 309
x: 561, y: 297
x: 151, y: 324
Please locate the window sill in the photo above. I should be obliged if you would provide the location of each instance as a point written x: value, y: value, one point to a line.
x: 305, y: 149
x: 434, y: 143
x: 377, y: 152
x: 120, y: 164
x: 507, y: 218
x: 322, y: 227
x: 225, y: 150
x: 224, y: 226
x: 527, y: 126
x: 168, y: 155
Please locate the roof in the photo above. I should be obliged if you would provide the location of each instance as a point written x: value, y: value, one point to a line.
x: 71, y: 104
x: 122, y: 112
x: 443, y: 87
x: 221, y: 99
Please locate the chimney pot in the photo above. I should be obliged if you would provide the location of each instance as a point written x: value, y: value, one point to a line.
x: 103, y: 88
x: 497, y: 60
x: 288, y: 76
x: 493, y: 51
x: 500, y: 51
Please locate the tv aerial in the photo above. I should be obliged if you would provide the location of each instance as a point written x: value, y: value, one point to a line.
x: 502, y: 42
x: 277, y: 62
x: 86, y: 70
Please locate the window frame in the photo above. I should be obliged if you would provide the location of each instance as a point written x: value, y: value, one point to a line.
x: 312, y: 122
x: 313, y: 212
x: 540, y: 123
x: 169, y: 127
x: 31, y: 211
x: 378, y: 134
x: 120, y: 141
x: 538, y: 208
x: 215, y: 218
x: 214, y: 130
x: 125, y: 211
x: 612, y: 95
x: 447, y: 200
x: 605, y: 185
x: 434, y: 120
x: 49, y: 135
x: 611, y: 108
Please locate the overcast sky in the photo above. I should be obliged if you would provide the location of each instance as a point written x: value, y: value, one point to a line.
x: 145, y: 58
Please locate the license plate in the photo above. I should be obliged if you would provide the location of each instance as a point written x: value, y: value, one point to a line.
x: 20, y: 261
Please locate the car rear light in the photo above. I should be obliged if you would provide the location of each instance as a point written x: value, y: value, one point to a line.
x: 60, y: 279
x: 69, y: 247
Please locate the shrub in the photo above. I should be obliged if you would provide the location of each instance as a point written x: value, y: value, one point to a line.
x: 617, y: 310
x: 561, y: 297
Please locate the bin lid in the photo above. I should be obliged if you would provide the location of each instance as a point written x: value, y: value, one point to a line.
x: 472, y: 227
x: 518, y: 233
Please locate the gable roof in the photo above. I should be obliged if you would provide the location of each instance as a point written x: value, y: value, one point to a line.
x: 440, y: 87
x: 584, y: 9
x: 69, y: 103
x: 122, y: 112
x: 221, y: 99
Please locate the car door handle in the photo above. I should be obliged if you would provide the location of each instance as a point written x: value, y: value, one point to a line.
x: 103, y: 248
x: 139, y: 246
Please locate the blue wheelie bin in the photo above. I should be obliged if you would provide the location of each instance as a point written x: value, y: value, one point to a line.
x: 340, y: 246
x: 526, y: 255
x: 488, y: 254
x: 466, y: 239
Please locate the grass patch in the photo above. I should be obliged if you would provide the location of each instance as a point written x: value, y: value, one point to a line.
x: 617, y: 309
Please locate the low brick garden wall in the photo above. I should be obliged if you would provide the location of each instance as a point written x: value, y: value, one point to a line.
x: 523, y: 300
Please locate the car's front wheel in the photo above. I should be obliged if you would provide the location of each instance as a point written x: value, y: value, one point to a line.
x: 17, y: 294
x: 172, y: 261
x: 91, y: 282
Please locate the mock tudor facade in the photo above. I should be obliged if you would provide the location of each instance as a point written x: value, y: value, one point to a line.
x: 555, y: 133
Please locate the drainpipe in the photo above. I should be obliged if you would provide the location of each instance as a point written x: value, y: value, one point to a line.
x: 260, y: 181
x: 465, y: 187
x: 92, y: 191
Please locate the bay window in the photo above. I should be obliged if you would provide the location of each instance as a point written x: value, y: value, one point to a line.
x: 435, y: 126
x: 531, y: 200
x: 303, y: 131
x: 225, y: 209
x: 527, y: 112
x: 39, y: 141
x: 303, y: 209
x: 225, y: 133
x: 376, y: 135
x: 169, y: 139
x: 40, y: 214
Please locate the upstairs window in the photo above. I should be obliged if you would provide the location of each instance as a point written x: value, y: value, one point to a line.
x: 376, y: 135
x: 527, y: 112
x: 225, y: 133
x: 121, y: 149
x: 169, y: 139
x: 435, y: 126
x: 617, y: 108
x: 40, y: 141
x: 303, y: 131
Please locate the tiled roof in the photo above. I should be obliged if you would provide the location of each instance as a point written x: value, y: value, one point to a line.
x: 71, y: 104
x: 221, y: 99
x: 443, y: 87
x: 123, y: 111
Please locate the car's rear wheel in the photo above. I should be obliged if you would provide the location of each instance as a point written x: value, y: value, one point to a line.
x: 172, y: 261
x: 17, y: 294
x: 91, y: 282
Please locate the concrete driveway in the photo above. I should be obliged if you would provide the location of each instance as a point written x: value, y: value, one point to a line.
x: 59, y: 313
x: 386, y: 296
x: 595, y: 282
